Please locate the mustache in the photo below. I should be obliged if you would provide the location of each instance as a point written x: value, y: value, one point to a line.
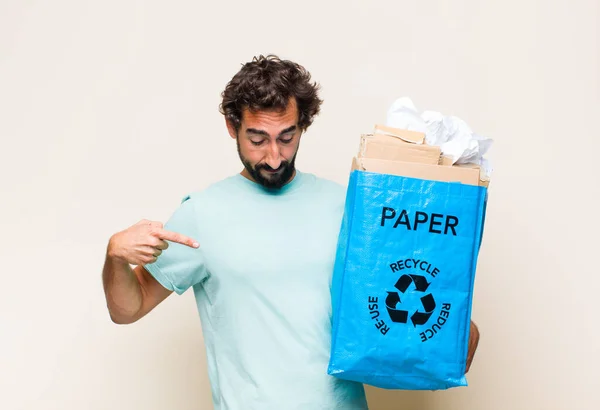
x: 269, y: 168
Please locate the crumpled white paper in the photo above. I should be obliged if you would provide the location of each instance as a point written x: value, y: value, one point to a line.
x: 451, y: 134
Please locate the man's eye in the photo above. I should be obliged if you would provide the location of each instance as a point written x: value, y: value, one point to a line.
x: 286, y: 140
x: 257, y: 143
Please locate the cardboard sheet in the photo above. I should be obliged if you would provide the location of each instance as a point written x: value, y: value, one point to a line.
x: 465, y: 175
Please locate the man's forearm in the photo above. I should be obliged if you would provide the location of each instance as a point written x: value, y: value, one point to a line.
x: 121, y: 288
x: 473, y: 342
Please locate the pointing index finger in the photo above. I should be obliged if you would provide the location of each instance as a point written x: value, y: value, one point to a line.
x: 178, y: 238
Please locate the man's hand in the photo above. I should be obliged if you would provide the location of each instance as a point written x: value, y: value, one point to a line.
x: 143, y: 242
x: 473, y: 342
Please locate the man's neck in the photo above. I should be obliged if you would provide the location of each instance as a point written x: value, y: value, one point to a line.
x: 247, y: 175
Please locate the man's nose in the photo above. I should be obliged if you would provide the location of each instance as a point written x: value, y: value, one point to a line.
x: 273, y: 158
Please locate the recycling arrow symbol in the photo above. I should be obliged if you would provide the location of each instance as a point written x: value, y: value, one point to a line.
x: 420, y: 318
x: 393, y: 299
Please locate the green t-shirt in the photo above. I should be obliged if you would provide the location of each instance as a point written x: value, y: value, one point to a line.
x: 262, y: 279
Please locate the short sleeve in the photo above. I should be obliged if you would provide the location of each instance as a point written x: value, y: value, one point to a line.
x: 179, y: 266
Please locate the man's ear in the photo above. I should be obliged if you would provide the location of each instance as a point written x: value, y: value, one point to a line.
x: 231, y: 129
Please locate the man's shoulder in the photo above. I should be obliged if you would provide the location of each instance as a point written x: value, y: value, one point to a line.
x: 214, y: 190
x: 327, y: 182
x: 327, y: 187
x: 228, y: 186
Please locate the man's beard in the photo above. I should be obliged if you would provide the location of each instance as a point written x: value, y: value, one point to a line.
x: 274, y: 181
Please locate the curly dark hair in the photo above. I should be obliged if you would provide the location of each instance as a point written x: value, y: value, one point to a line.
x: 268, y: 83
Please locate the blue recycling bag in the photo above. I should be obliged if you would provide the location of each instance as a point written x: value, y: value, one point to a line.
x: 403, y: 281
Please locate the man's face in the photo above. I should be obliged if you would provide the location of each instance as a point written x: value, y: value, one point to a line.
x: 267, y: 143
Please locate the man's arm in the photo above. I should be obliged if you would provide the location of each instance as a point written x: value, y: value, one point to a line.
x: 132, y: 293
x: 473, y: 342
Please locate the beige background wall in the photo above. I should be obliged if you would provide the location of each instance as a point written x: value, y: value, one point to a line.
x: 108, y: 114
